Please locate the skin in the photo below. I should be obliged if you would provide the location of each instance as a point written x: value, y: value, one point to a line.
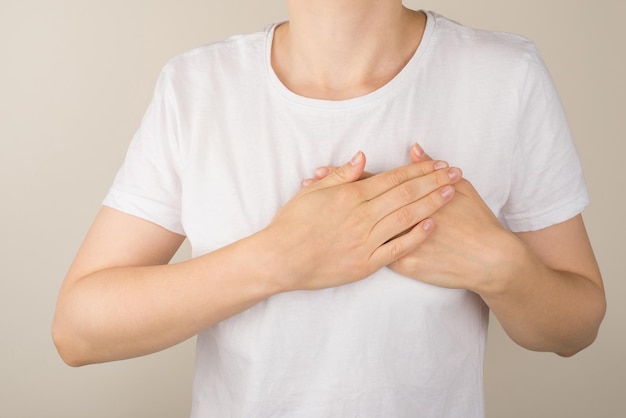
x: 543, y: 286
x: 341, y: 49
x: 121, y: 299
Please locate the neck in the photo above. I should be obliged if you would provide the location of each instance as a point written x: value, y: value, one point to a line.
x: 339, y: 49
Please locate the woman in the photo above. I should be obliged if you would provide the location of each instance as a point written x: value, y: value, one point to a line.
x: 358, y: 295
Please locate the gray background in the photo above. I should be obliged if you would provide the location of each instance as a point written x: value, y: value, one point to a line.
x: 75, y: 79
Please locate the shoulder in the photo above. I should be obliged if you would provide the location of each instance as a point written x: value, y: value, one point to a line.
x: 224, y: 57
x: 454, y: 41
x: 493, y: 62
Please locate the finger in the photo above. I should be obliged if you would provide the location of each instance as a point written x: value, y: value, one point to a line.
x: 382, y: 183
x: 308, y: 182
x: 402, y: 245
x: 347, y: 173
x: 322, y: 172
x: 412, y: 191
x: 418, y: 154
x: 405, y: 217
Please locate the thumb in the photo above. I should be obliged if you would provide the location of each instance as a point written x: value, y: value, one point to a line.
x: 347, y: 173
x: 418, y: 154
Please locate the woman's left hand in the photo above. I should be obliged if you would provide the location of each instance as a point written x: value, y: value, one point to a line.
x: 468, y: 249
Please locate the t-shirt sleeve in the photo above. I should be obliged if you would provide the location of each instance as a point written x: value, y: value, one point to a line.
x: 547, y: 183
x: 148, y: 183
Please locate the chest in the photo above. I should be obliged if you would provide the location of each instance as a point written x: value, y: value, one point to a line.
x: 242, y: 169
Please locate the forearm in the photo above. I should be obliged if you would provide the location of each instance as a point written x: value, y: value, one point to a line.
x: 332, y: 233
x: 543, y: 309
x: 544, y: 286
x: 126, y: 312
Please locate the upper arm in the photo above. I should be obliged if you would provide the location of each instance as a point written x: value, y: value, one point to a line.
x: 565, y: 247
x: 117, y: 239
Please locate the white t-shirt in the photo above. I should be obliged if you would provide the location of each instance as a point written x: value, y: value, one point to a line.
x: 224, y: 144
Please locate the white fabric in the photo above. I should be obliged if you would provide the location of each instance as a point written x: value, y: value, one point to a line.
x: 224, y: 144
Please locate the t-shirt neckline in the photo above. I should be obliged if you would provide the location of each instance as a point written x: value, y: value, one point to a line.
x: 395, y: 84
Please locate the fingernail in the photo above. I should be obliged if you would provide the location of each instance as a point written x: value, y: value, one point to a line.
x: 454, y: 173
x: 356, y: 159
x: 321, y: 172
x: 307, y: 182
x: 440, y: 164
x: 418, y: 151
x: 447, y: 192
x: 428, y: 225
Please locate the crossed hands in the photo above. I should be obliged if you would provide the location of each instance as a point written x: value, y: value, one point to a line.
x: 422, y: 220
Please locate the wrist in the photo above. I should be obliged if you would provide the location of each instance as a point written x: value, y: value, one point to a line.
x: 507, y: 262
x: 274, y: 263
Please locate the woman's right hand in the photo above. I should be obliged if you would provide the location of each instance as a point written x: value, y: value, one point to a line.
x: 339, y: 230
x: 121, y: 299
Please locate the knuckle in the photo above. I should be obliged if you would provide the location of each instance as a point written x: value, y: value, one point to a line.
x: 442, y: 177
x: 425, y: 167
x: 406, y: 192
x: 340, y: 174
x: 396, y: 177
x: 407, y: 264
x: 434, y: 201
x: 395, y: 250
x: 404, y: 216
x: 351, y: 193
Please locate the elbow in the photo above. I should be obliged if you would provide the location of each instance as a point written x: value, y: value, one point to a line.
x: 567, y: 354
x: 593, y: 329
x: 69, y: 359
x: 66, y: 347
x: 68, y: 343
x: 570, y: 352
x: 72, y: 332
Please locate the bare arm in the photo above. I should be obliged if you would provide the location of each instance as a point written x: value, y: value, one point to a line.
x: 544, y: 287
x: 555, y: 301
x: 120, y: 299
